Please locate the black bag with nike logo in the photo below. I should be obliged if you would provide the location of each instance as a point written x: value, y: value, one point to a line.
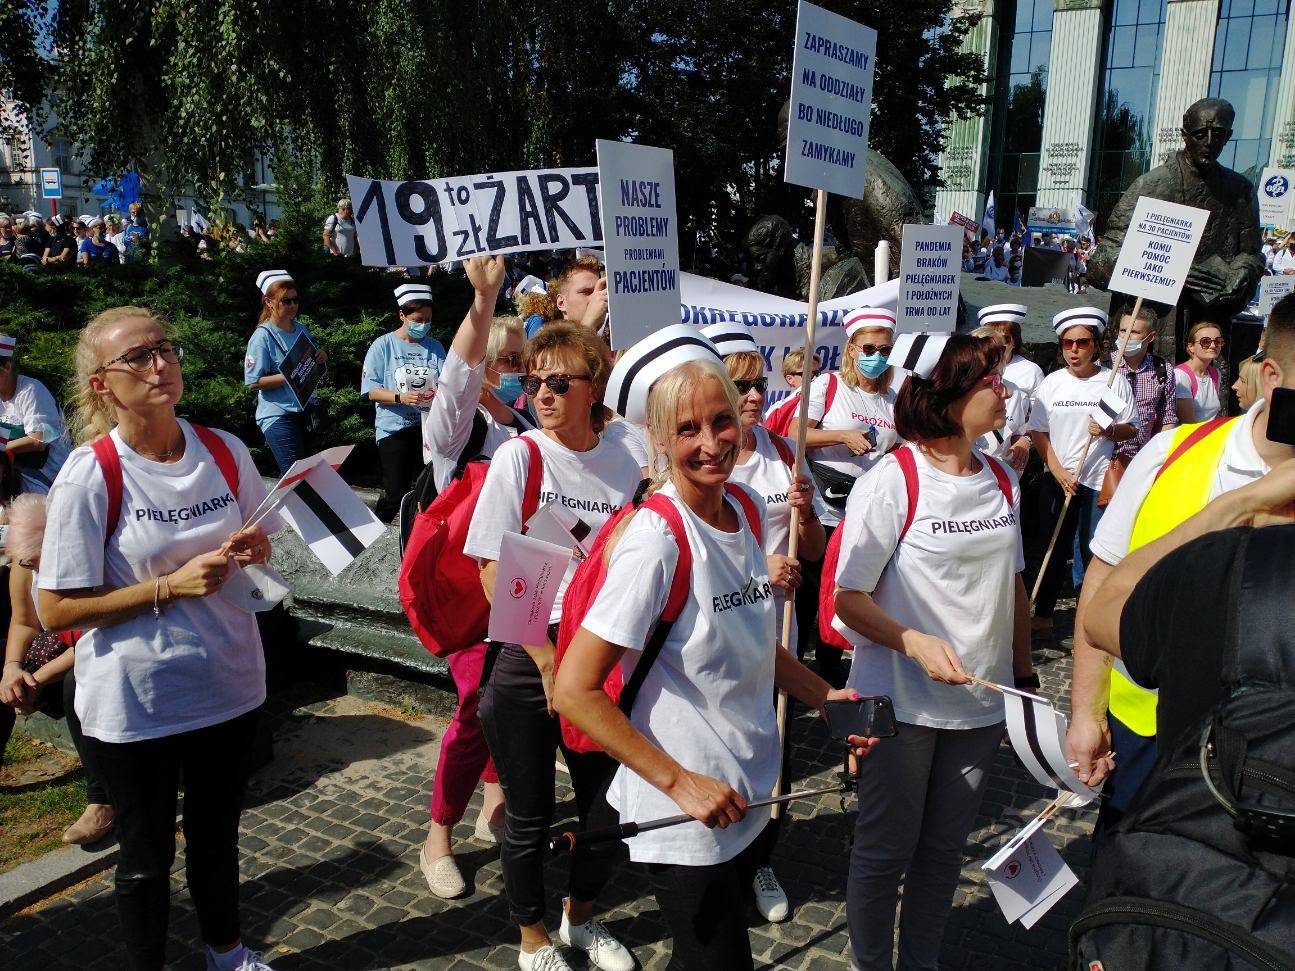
x: 1200, y: 873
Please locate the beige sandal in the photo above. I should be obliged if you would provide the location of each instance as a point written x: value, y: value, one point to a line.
x: 94, y: 825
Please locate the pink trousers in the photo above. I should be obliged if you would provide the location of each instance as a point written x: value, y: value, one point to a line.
x: 465, y: 758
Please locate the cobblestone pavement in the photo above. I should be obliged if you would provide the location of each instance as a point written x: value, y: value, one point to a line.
x: 330, y: 869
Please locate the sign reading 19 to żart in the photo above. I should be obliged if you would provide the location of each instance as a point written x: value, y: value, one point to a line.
x: 831, y: 102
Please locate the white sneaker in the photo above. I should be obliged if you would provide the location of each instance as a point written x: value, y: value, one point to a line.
x: 249, y: 960
x: 594, y: 939
x: 442, y: 875
x: 770, y: 899
x: 547, y: 958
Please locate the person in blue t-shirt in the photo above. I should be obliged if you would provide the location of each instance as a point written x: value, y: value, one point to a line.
x: 400, y: 374
x: 95, y: 249
x: 287, y: 427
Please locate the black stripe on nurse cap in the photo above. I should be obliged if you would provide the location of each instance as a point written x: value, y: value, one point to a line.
x: 649, y: 359
x: 918, y: 353
x: 730, y: 338
x: 1080, y: 317
x: 1002, y: 313
x: 409, y: 292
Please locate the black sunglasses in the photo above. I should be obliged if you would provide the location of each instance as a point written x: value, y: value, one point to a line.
x: 744, y: 387
x: 559, y: 384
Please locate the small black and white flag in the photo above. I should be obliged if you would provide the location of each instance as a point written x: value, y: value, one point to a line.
x: 918, y: 353
x: 1028, y: 876
x: 1108, y: 409
x: 556, y: 524
x: 1038, y: 734
x: 332, y: 520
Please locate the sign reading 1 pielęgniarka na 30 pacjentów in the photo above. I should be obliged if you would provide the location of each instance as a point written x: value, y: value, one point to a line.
x: 831, y: 102
x: 1158, y: 250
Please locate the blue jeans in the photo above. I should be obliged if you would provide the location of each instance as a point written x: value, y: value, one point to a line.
x: 1076, y: 532
x: 1080, y: 553
x: 287, y: 438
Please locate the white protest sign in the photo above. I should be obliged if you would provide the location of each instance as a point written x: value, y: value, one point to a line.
x: 527, y: 578
x: 1277, y: 198
x: 1272, y: 289
x: 777, y: 323
x: 1028, y: 876
x: 427, y: 221
x: 831, y: 102
x: 1158, y: 249
x: 641, y: 243
x: 930, y: 260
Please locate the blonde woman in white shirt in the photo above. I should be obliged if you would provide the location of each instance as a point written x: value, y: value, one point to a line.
x: 699, y: 737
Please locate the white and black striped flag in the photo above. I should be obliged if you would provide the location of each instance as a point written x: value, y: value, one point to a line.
x: 1108, y: 408
x: 918, y: 353
x: 332, y: 520
x: 1038, y: 734
x: 556, y: 524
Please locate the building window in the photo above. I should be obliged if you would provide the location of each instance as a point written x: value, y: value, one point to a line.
x: 60, y: 153
x: 1126, y: 105
x: 1248, y: 48
x: 1024, y: 52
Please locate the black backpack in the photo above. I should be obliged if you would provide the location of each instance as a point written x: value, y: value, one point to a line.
x: 1200, y: 873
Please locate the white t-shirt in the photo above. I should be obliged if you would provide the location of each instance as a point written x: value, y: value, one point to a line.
x: 1283, y: 260
x: 344, y: 232
x: 593, y: 484
x: 200, y: 663
x: 1063, y: 406
x: 708, y: 699
x: 853, y: 408
x: 997, y: 442
x: 769, y: 476
x: 952, y: 576
x: 447, y: 423
x: 1239, y: 466
x: 1206, y: 397
x: 32, y: 409
x: 632, y: 435
x: 1024, y: 374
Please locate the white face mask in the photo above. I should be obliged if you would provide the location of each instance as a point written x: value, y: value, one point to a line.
x: 1132, y: 346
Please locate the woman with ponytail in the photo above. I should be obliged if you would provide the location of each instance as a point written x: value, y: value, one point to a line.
x: 144, y: 527
x: 699, y: 738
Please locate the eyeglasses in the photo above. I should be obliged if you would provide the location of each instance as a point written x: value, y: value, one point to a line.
x: 1209, y: 342
x: 744, y: 387
x: 289, y: 301
x: 1201, y: 134
x: 559, y: 384
x: 867, y: 350
x: 142, y: 358
x: 508, y: 360
x: 1078, y: 343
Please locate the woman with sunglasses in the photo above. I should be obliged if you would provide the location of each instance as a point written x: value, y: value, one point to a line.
x: 170, y: 677
x: 1196, y: 380
x: 592, y: 476
x: 764, y: 464
x: 471, y: 413
x: 1061, y: 423
x: 929, y: 586
x: 281, y: 418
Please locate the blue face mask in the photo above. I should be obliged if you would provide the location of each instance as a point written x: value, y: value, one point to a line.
x: 416, y: 330
x: 510, y: 388
x: 871, y: 365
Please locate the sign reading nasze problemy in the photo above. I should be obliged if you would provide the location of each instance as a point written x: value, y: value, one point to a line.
x: 831, y: 102
x: 1158, y: 250
x: 423, y: 222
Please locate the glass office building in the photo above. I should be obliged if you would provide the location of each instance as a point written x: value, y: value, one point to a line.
x: 1086, y: 95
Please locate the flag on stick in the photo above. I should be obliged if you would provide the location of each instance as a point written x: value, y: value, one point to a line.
x: 332, y: 520
x: 1038, y: 734
x: 1028, y: 876
x: 1108, y: 409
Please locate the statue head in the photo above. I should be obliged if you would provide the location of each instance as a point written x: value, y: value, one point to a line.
x: 1207, y: 126
x: 769, y: 245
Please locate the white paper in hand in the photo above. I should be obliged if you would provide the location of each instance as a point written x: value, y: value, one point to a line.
x: 527, y: 578
x: 1028, y: 876
x: 1108, y: 408
x: 253, y: 588
x: 556, y: 524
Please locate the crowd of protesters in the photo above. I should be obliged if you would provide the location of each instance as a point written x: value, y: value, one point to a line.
x: 667, y: 449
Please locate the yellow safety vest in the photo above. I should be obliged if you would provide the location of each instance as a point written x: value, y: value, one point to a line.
x: 1181, y: 489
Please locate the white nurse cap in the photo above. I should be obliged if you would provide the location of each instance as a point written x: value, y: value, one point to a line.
x: 1002, y: 313
x: 868, y: 317
x: 918, y: 353
x: 649, y: 359
x: 1080, y: 316
x: 267, y: 278
x: 730, y: 338
x: 409, y: 292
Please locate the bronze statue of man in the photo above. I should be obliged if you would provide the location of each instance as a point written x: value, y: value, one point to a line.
x: 1228, y: 263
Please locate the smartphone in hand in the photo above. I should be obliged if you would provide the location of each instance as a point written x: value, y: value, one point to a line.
x: 872, y: 716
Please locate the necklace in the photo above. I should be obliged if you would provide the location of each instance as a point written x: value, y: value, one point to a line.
x: 156, y: 456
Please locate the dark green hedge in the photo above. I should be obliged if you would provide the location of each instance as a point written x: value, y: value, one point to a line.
x: 213, y: 307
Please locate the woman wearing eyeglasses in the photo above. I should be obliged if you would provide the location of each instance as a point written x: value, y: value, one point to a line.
x: 1196, y: 380
x: 1061, y: 423
x: 592, y: 476
x: 170, y: 677
x: 285, y: 424
x: 471, y: 416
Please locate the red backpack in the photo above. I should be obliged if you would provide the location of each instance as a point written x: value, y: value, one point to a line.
x: 588, y: 580
x: 827, y: 589
x: 440, y: 586
x: 105, y: 452
x: 782, y: 420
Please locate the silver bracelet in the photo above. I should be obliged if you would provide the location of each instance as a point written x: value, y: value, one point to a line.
x: 157, y: 598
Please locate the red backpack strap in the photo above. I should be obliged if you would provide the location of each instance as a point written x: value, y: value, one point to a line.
x: 830, y: 394
x: 220, y: 452
x: 1191, y: 376
x: 748, y: 509
x: 681, y: 583
x: 1000, y: 473
x: 908, y: 465
x: 1214, y: 377
x: 534, y: 473
x: 105, y: 451
x: 1197, y: 434
x: 783, y: 449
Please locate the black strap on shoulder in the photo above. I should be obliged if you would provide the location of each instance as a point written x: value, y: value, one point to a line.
x: 476, y: 440
x: 651, y: 649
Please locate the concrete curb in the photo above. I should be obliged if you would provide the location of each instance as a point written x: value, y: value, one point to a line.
x: 56, y: 870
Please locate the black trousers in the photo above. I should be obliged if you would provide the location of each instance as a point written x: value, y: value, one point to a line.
x: 401, y: 455
x: 523, y: 739
x: 705, y: 909
x: 141, y: 779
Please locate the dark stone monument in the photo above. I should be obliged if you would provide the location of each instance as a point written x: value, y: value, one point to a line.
x: 1228, y: 263
x: 771, y: 247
